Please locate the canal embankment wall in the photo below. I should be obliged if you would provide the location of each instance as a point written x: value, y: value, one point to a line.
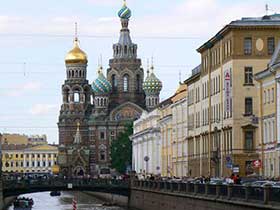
x: 118, y: 200
x: 7, y: 202
x: 150, y: 200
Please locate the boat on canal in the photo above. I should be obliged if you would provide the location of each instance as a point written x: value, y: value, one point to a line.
x: 23, y: 204
x: 55, y: 193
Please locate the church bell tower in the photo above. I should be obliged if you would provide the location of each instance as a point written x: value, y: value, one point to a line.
x: 76, y: 94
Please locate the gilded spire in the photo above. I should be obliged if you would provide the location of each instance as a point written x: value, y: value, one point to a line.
x: 76, y: 55
x: 76, y: 32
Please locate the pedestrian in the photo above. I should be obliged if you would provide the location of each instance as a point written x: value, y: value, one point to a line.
x: 238, y: 180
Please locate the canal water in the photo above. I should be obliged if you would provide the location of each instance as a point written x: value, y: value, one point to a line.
x: 43, y: 201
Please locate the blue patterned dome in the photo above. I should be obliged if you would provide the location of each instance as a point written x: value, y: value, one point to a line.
x: 125, y: 12
x: 101, y: 85
x: 152, y: 85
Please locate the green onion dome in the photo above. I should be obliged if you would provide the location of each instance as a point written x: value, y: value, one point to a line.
x: 101, y: 85
x: 125, y: 12
x: 152, y: 85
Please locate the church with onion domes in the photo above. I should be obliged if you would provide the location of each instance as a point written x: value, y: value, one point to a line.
x: 93, y: 115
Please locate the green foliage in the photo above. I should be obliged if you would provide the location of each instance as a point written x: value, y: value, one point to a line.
x: 121, y: 150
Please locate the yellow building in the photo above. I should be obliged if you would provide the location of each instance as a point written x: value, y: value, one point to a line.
x: 165, y: 123
x: 269, y: 89
x: 223, y: 98
x: 179, y: 131
x: 28, y: 159
x: 14, y: 139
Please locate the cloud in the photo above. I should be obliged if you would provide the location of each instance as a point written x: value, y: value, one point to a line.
x: 29, y: 87
x: 43, y: 109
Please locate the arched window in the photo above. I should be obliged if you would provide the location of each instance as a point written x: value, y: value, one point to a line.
x: 73, y: 73
x: 91, y: 99
x: 101, y: 101
x: 76, y: 97
x: 66, y: 95
x: 125, y: 49
x: 138, y: 83
x: 114, y: 82
x: 125, y: 83
x: 102, y: 155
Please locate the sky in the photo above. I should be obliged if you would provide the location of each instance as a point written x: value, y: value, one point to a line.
x: 36, y: 35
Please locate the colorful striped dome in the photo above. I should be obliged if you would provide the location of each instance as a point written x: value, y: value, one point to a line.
x: 101, y: 85
x: 152, y: 85
x: 125, y: 12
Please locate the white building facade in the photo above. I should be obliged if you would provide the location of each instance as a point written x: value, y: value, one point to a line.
x: 146, y: 141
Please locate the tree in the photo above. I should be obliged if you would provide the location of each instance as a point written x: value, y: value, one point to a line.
x: 121, y: 150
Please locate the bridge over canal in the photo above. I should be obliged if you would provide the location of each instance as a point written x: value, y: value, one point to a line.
x: 164, y: 195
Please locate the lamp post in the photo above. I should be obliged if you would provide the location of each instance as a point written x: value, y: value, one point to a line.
x: 146, y: 159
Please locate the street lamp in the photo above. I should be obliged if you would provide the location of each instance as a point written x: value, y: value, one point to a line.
x: 146, y: 159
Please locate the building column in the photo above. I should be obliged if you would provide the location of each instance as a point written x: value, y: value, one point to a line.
x: 41, y: 160
x: 24, y: 160
x: 52, y: 159
x: 35, y: 161
x: 30, y: 162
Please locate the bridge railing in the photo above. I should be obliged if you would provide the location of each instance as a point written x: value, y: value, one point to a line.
x: 264, y: 195
x: 63, y: 183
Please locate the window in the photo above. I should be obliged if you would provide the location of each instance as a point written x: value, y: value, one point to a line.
x: 138, y: 83
x: 270, y: 45
x: 102, y: 135
x: 125, y: 83
x: 76, y: 97
x: 27, y: 163
x: 102, y: 156
x: 249, y: 137
x: 16, y: 155
x: 248, y: 106
x: 21, y: 155
x: 114, y: 82
x: 248, y: 76
x: 248, y: 46
x: 272, y: 95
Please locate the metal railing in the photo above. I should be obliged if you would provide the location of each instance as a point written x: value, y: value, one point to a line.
x: 10, y: 185
x: 261, y: 195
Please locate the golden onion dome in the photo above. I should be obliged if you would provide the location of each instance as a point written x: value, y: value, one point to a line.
x: 76, y: 55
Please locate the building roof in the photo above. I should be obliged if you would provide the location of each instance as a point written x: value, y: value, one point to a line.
x: 265, y: 21
x: 181, y: 93
x: 195, y: 74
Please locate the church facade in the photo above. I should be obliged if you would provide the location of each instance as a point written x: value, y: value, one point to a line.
x: 93, y: 115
